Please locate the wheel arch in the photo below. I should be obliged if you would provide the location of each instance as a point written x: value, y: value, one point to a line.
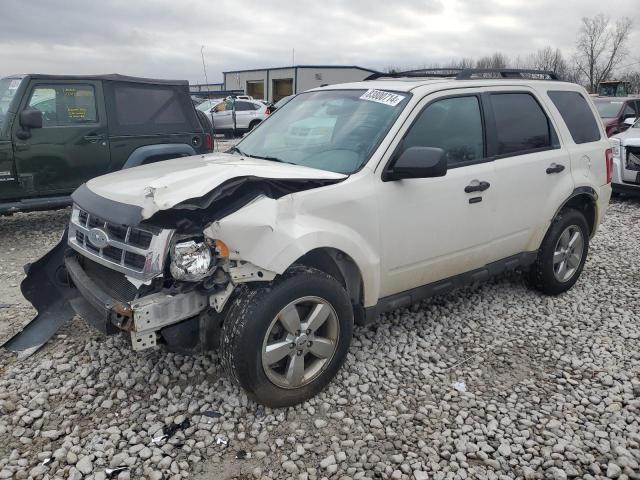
x: 160, y: 151
x: 340, y: 266
x: 585, y: 200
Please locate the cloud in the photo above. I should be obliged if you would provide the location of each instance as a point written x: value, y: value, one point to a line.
x: 162, y: 38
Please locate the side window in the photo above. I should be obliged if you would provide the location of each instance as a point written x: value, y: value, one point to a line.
x: 243, y: 106
x: 63, y: 105
x: 577, y: 115
x: 149, y: 109
x: 453, y: 124
x: 629, y: 110
x: 521, y: 124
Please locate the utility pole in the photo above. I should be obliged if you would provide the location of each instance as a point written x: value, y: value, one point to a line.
x: 204, y: 67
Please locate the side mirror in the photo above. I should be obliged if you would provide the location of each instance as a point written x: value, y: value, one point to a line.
x: 30, y: 118
x: 418, y: 162
x: 629, y: 121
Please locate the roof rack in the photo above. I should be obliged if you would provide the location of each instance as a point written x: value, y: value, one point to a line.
x: 470, y: 73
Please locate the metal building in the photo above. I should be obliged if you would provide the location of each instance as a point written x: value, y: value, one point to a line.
x: 272, y: 84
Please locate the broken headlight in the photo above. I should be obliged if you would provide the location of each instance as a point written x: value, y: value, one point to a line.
x: 191, y: 261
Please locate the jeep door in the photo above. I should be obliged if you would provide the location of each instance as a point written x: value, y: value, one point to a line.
x: 434, y: 228
x: 72, y: 145
x: 533, y: 174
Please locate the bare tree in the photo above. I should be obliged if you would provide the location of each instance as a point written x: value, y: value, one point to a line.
x: 496, y: 60
x: 548, y: 59
x: 601, y: 47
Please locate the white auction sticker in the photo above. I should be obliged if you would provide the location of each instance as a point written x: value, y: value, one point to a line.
x: 380, y: 96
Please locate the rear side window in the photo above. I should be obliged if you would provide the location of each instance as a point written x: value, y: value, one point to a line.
x: 521, y: 124
x: 452, y: 124
x: 64, y: 105
x: 140, y: 109
x: 577, y: 115
x: 244, y: 106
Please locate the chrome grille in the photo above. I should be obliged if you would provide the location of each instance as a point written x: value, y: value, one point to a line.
x: 135, y: 251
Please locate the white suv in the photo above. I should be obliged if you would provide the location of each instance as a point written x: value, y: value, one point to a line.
x: 271, y: 251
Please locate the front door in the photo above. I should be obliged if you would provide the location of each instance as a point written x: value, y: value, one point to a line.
x: 72, y: 145
x: 222, y: 116
x: 435, y: 228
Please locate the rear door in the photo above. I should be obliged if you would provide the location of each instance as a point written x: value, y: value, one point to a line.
x: 533, y: 172
x: 72, y: 145
x: 245, y: 113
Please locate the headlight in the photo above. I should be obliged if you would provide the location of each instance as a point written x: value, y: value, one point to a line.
x: 191, y: 261
x: 615, y: 147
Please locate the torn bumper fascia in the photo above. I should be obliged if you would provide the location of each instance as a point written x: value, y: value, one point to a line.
x: 58, y: 288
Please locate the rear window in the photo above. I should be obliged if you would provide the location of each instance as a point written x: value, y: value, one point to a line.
x: 140, y: 109
x: 575, y: 112
x: 521, y: 124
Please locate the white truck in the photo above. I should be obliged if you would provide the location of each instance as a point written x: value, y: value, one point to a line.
x: 413, y: 186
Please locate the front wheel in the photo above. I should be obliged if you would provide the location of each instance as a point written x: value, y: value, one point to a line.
x: 562, y: 255
x: 283, y: 342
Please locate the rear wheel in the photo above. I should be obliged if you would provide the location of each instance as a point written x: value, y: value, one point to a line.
x: 562, y: 255
x: 284, y: 342
x: 253, y: 124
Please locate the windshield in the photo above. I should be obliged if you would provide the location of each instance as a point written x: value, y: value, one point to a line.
x: 608, y: 108
x: 335, y: 130
x: 8, y: 89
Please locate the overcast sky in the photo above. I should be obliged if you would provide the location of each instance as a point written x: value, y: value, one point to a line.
x: 162, y: 38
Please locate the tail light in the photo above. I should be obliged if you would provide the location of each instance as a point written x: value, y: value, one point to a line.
x: 267, y: 111
x: 608, y: 156
x: 208, y: 138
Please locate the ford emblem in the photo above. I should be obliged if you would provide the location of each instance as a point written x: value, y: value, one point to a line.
x: 98, y: 238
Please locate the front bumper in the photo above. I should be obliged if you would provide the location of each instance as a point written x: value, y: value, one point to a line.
x: 59, y: 287
x: 142, y: 318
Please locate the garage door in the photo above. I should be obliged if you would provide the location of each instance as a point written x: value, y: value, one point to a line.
x: 282, y: 87
x: 256, y: 89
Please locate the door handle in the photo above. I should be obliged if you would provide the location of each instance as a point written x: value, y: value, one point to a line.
x: 93, y: 137
x: 477, y: 186
x: 555, y: 168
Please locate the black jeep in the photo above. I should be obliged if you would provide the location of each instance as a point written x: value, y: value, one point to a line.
x: 57, y: 132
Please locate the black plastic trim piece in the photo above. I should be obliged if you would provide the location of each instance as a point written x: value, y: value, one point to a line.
x: 404, y: 299
x: 35, y: 204
x: 627, y: 189
x: 109, y: 210
x: 468, y: 73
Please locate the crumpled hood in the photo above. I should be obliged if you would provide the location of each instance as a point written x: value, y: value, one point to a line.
x: 630, y: 137
x: 162, y: 185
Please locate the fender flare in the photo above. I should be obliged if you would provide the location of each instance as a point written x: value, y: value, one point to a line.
x: 139, y: 155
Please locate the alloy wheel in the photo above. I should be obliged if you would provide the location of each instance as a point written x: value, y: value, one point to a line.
x: 300, y: 342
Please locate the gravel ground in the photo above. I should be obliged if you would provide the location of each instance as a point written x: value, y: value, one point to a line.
x: 492, y: 382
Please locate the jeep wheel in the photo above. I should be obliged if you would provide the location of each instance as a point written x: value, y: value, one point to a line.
x: 562, y: 255
x: 283, y: 342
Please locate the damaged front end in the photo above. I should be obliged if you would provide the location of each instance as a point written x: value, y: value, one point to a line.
x: 156, y: 279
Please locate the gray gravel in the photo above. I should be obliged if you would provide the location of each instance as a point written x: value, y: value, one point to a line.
x: 545, y: 388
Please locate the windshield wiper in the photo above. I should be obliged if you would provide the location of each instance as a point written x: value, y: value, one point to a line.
x: 236, y: 149
x: 272, y: 159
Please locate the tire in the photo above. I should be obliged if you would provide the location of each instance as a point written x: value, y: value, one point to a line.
x: 545, y: 274
x: 254, y: 322
x: 253, y: 125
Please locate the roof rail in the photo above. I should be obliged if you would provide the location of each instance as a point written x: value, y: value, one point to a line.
x: 470, y: 73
